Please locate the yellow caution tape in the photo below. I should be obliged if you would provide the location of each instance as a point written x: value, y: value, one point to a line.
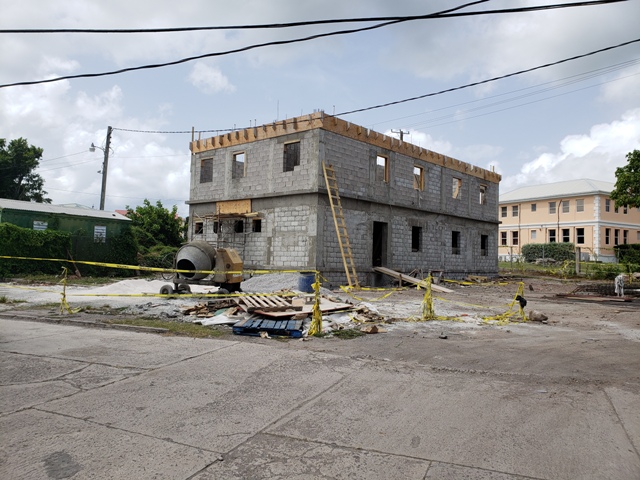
x: 158, y: 269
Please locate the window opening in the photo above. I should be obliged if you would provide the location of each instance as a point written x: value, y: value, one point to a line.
x: 239, y: 165
x: 534, y: 234
x: 256, y: 225
x: 238, y: 226
x: 455, y: 243
x: 625, y: 236
x: 418, y: 178
x: 534, y: 207
x: 565, y: 206
x: 38, y: 225
x: 484, y: 245
x: 457, y: 188
x: 382, y: 169
x: 416, y: 233
x: 206, y: 170
x: 607, y: 236
x: 566, y: 235
x: 552, y: 207
x: 552, y: 235
x: 483, y: 194
x: 503, y: 238
x: 580, y: 236
x: 291, y: 156
x: 514, y: 211
x: 503, y: 211
x: 216, y: 226
x: 607, y: 205
x: 580, y: 205
x: 514, y: 237
x: 198, y: 228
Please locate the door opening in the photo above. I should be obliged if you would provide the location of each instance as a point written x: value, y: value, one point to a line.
x: 379, y: 250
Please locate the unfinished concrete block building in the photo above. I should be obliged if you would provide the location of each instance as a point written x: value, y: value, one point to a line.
x: 262, y: 191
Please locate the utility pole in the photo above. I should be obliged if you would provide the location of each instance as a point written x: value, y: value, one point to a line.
x: 103, y: 191
x: 402, y: 134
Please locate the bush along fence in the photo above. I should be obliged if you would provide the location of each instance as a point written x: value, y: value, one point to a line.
x: 78, y: 246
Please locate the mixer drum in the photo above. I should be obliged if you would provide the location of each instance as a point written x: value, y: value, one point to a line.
x: 196, y: 255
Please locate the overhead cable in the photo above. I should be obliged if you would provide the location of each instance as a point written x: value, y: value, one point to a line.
x: 482, y: 82
x: 306, y: 23
x: 296, y: 40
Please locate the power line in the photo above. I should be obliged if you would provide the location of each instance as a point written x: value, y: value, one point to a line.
x: 442, y: 14
x: 430, y: 123
x: 522, y: 93
x: 482, y: 82
x: 441, y: 92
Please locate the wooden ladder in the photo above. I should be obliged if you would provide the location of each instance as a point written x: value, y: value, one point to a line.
x: 341, y: 226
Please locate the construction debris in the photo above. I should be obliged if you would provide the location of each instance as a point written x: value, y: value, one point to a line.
x: 372, y: 329
x: 536, y: 316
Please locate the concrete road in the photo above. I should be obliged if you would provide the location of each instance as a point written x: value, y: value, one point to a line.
x: 107, y: 404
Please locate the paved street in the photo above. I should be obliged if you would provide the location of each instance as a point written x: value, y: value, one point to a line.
x: 90, y: 403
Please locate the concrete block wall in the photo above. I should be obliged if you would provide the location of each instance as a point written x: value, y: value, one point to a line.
x: 264, y: 175
x: 355, y: 163
x: 435, y: 251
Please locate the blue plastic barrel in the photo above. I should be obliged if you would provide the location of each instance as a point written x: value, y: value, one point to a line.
x: 305, y: 281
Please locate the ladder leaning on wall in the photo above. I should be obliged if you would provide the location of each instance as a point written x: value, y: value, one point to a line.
x: 341, y: 226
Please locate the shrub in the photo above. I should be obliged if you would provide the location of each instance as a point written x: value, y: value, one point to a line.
x: 628, y: 253
x: 24, y: 242
x: 558, y: 251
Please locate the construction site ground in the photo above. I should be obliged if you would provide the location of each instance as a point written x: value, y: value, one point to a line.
x: 436, y: 399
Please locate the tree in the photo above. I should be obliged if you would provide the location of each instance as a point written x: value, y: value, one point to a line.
x: 627, y: 190
x: 17, y: 178
x: 155, y: 225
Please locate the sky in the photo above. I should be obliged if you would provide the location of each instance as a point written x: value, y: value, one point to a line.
x: 577, y: 119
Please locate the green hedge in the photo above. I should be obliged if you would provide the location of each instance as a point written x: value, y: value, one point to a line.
x: 558, y: 251
x: 628, y: 253
x: 24, y: 242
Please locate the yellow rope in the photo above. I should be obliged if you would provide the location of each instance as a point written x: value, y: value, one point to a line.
x: 63, y: 302
x: 316, y: 314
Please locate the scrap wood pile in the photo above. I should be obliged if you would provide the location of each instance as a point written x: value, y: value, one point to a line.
x: 281, y: 313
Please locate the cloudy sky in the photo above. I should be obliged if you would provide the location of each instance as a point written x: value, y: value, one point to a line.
x: 577, y: 119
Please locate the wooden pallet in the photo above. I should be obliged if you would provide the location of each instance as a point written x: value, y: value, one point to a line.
x: 257, y: 302
x: 253, y: 326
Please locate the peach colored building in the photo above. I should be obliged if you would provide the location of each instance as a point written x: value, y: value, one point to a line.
x: 575, y: 211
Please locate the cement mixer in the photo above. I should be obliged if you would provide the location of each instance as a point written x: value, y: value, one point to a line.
x: 199, y: 258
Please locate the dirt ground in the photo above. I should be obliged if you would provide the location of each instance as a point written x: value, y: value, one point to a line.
x: 584, y: 343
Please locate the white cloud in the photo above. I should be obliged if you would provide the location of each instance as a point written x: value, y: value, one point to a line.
x: 594, y: 155
x: 210, y: 79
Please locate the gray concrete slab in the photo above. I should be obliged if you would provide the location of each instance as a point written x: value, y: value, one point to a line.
x: 14, y: 398
x: 95, y: 403
x: 74, y: 343
x: 446, y: 471
x: 215, y: 401
x: 626, y: 403
x: 39, y: 445
x: 553, y: 432
x: 267, y: 457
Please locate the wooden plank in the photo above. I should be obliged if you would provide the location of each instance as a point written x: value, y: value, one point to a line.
x: 412, y: 280
x: 594, y: 298
x: 278, y: 314
x: 234, y: 206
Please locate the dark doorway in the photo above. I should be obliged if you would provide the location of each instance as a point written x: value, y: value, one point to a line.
x: 379, y: 255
